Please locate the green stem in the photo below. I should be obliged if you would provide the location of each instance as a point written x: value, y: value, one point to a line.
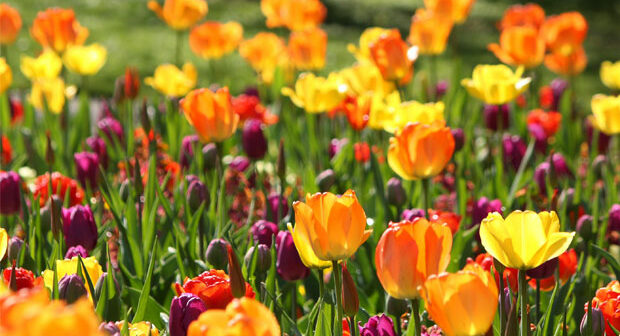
x: 338, y: 288
x: 433, y: 70
x: 321, y: 283
x: 425, y: 190
x: 294, y: 302
x: 502, y: 313
x: 177, y: 50
x: 416, y: 327
x: 523, y: 303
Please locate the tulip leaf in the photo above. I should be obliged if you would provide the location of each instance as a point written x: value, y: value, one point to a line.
x: 323, y: 324
x: 89, y: 281
x: 153, y: 308
x: 146, y: 289
x: 613, y: 262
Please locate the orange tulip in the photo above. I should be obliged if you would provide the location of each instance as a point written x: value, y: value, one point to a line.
x: 241, y: 317
x: 214, y: 39
x: 420, y: 151
x: 456, y: 10
x: 180, y: 14
x: 367, y: 38
x: 10, y: 24
x: 570, y: 65
x: 565, y: 33
x: 393, y: 57
x: 356, y: 109
x: 307, y: 49
x: 463, y: 303
x: 57, y: 28
x: 265, y: 52
x: 549, y: 121
x: 211, y: 113
x: 293, y: 14
x: 427, y: 247
x: 523, y: 15
x: 429, y: 31
x: 520, y: 45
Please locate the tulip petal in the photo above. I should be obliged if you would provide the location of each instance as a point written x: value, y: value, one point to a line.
x: 557, y: 244
x: 306, y: 224
x: 496, y: 240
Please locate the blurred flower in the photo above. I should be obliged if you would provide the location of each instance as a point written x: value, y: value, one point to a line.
x: 514, y: 150
x: 11, y: 23
x: 356, y: 109
x: 23, y: 278
x: 365, y: 79
x: 213, y: 288
x: 4, y: 242
x: 295, y: 15
x: 6, y: 75
x: 378, y: 325
x: 142, y: 328
x: 263, y: 259
x: 613, y: 228
x: 57, y: 28
x: 210, y: 113
x: 290, y: 265
x: 333, y: 226
x: 610, y: 74
x: 606, y: 113
x: 456, y: 10
x: 180, y: 14
x: 250, y: 107
x: 429, y: 31
x: 17, y: 110
x: 361, y: 151
x: 197, y: 194
x: 567, y: 264
x: 446, y: 218
x: 71, y: 288
x: 172, y: 81
x: 184, y: 309
x: 410, y: 154
x: 395, y: 193
x: 349, y: 297
x: 217, y: 253
x: 316, y: 94
x: 243, y: 316
x: 275, y: 201
x: 564, y: 33
x: 608, y: 302
x: 187, y: 150
x: 496, y: 117
x: 265, y: 52
x: 549, y: 121
x: 427, y: 246
x: 482, y: 207
x: 61, y: 186
x: 263, y: 232
x: 87, y: 166
x: 335, y: 145
x: 307, y: 49
x: 411, y: 214
x: 524, y: 240
x: 212, y: 40
x: 496, y: 84
x: 520, y: 45
x: 413, y: 112
x: 509, y: 275
x: 10, y: 184
x: 240, y: 163
x: 77, y: 250
x: 45, y: 66
x: 15, y: 248
x: 545, y: 270
x: 112, y: 128
x: 253, y: 139
x: 131, y: 82
x: 6, y: 155
x: 48, y: 93
x: 393, y: 57
x: 570, y: 65
x: 368, y: 37
x: 85, y: 60
x: 446, y: 300
x: 528, y: 15
x: 79, y: 227
x: 325, y: 180
x: 459, y: 138
x: 70, y: 266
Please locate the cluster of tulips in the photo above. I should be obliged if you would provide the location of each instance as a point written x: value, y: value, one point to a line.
x: 497, y: 215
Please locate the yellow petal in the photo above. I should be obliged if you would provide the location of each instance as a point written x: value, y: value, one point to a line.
x: 4, y: 242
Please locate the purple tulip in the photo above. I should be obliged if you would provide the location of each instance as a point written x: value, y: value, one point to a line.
x: 187, y: 150
x: 335, y: 146
x: 10, y: 202
x: 597, y: 325
x: 545, y: 270
x: 379, y: 325
x: 558, y: 86
x: 482, y: 207
x: 288, y: 263
x: 411, y: 214
x: 540, y: 176
x: 614, y: 222
x: 497, y: 116
x: 197, y: 193
x: 440, y: 89
x: 395, y: 193
x: 240, y: 163
x: 560, y: 166
x: 514, y: 150
x: 209, y: 156
x: 87, y: 165
x: 71, y: 288
x: 272, y: 201
x: 97, y: 145
x: 263, y: 231
x: 253, y: 139
x: 109, y: 329
x: 540, y: 137
x: 77, y: 250
x: 459, y: 138
x: 112, y: 128
x: 79, y: 227
x: 184, y: 309
x: 15, y: 247
x: 217, y: 253
x: 431, y: 331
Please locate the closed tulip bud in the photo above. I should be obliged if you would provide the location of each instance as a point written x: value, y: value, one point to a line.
x: 288, y: 263
x: 109, y: 329
x: 497, y: 117
x: 112, y: 128
x: 263, y: 232
x: 217, y: 253
x: 540, y: 176
x: 594, y: 328
x: 326, y: 179
x: 240, y: 163
x: 75, y: 251
x: 187, y: 150
x: 263, y: 258
x: 97, y: 145
x: 184, y: 309
x: 87, y: 165
x: 379, y: 325
x: 119, y: 90
x: 411, y: 214
x: 584, y: 227
x: 459, y: 138
x: 559, y: 165
x: 281, y: 163
x: 274, y: 202
x: 603, y: 139
x: 71, y: 288
x: 124, y: 190
x: 79, y: 227
x: 614, y: 219
x: 131, y: 83
x: 514, y: 150
x: 395, y: 193
x: 599, y: 162
x: 350, y: 300
x: 102, y: 279
x: 49, y: 150
x: 15, y: 248
x: 545, y: 270
x: 51, y: 215
x: 209, y: 156
x: 565, y: 200
x: 197, y: 194
x: 9, y: 188
x: 396, y: 307
x: 237, y: 283
x: 253, y: 139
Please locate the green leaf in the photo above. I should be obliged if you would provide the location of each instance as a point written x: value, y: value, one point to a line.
x: 146, y: 289
x: 615, y: 266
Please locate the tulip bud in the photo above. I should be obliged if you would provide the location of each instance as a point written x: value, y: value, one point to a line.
x: 97, y: 145
x: 396, y: 307
x: 584, y: 227
x: 599, y: 162
x: 540, y: 137
x: 217, y: 253
x: 275, y: 201
x: 381, y: 325
x: 459, y: 138
x: 281, y: 162
x: 335, y: 146
x: 109, y: 329
x: 15, y: 247
x: 597, y: 327
x: 240, y: 163
x: 119, y: 90
x: 350, y: 301
x: 71, y: 288
x: 75, y: 251
x: 187, y: 150
x: 566, y: 198
x: 49, y: 151
x: 237, y: 283
x: 558, y: 87
x: 209, y: 156
x: 131, y: 83
x: 184, y: 309
x: 559, y: 165
x: 9, y: 189
x: 288, y: 263
x: 99, y: 285
x: 263, y: 232
x: 603, y: 139
x: 325, y: 180
x: 253, y: 139
x: 145, y: 121
x: 614, y: 221
x: 411, y: 214
x: 112, y: 128
x: 263, y: 259
x: 545, y: 270
x: 514, y: 150
x: 540, y: 176
x: 51, y: 215
x: 507, y: 299
x: 482, y: 207
x: 87, y: 166
x: 497, y: 117
x: 440, y: 89
x: 395, y: 193
x: 197, y: 194
x: 79, y: 227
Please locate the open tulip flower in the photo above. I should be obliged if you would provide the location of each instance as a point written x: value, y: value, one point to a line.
x: 212, y: 40
x: 610, y: 74
x: 45, y: 66
x: 211, y: 114
x: 520, y: 45
x: 455, y: 10
x: 6, y: 75
x: 85, y: 60
x: 393, y: 57
x: 295, y: 15
x: 57, y: 28
x: 367, y: 38
x: 528, y: 15
x: 172, y: 81
x: 429, y: 31
x: 606, y: 113
x: 307, y: 49
x: 496, y: 84
x: 316, y: 94
x: 180, y: 14
x: 11, y: 23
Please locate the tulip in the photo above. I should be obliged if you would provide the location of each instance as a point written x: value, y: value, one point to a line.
x: 85, y: 60
x: 410, y: 214
x: 197, y: 194
x: 316, y: 94
x: 48, y: 94
x: 325, y: 180
x: 70, y: 266
x: 496, y: 84
x: 566, y: 264
x: 4, y: 243
x: 265, y: 52
x: 295, y: 15
x: 180, y: 14
x: 610, y: 74
x: 237, y: 283
x: 6, y: 75
x: 77, y: 250
x: 356, y: 109
x: 567, y: 64
x: 350, y: 300
x: 446, y: 298
x: 57, y: 28
x: 519, y: 46
x: 549, y: 121
x: 263, y: 232
x: 45, y: 66
x: 87, y: 166
x: 109, y: 329
x: 139, y: 328
x: 564, y: 33
x: 613, y: 226
x: 213, y: 287
x: 291, y: 264
x: 184, y: 309
x: 97, y: 145
x: 413, y: 112
x: 528, y: 15
x: 112, y: 129
x: 210, y: 113
x: 263, y: 259
x: 395, y: 193
x: 241, y: 317
x: 187, y: 150
x: 496, y: 117
x: 335, y: 145
x: 209, y: 155
x: 172, y: 81
x: 429, y: 31
x: 15, y: 248
x: 253, y: 139
x: 131, y: 83
x: 602, y: 138
x: 594, y: 328
x: 365, y: 79
x: 393, y: 57
x: 545, y: 270
x: 482, y: 207
x: 274, y: 202
x: 456, y: 10
x: 606, y: 300
x: 427, y: 246
x: 71, y: 288
x: 249, y: 107
x: 379, y: 325
x: 212, y: 40
x: 22, y: 278
x: 11, y: 23
x: 410, y: 154
x: 10, y: 184
x: 514, y: 150
x: 217, y: 253
x: 79, y: 227
x: 307, y: 49
x: 606, y: 113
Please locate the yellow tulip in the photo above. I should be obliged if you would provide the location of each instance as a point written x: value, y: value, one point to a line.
x: 45, y: 66
x: 334, y: 226
x: 139, y: 328
x: 48, y: 92
x: 307, y: 255
x: 317, y: 94
x: 606, y: 112
x: 85, y: 60
x: 412, y: 112
x: 4, y: 242
x: 365, y: 78
x: 496, y: 84
x: 6, y: 76
x: 382, y: 109
x: 610, y: 74
x: 368, y: 37
x: 70, y: 266
x: 525, y: 239
x: 172, y: 81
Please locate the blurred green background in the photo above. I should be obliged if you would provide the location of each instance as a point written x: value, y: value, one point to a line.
x: 134, y: 36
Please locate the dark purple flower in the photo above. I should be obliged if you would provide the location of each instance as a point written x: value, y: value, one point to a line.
x: 209, y: 156
x: 335, y: 146
x: 197, y: 193
x: 263, y: 258
x: 325, y: 180
x: 15, y: 247
x: 253, y: 139
x: 263, y: 232
x: 597, y: 326
x: 184, y: 309
x: 79, y: 227
x: 559, y: 165
x: 395, y: 193
x: 545, y: 270
x: 251, y: 91
x: 97, y: 145
x: 240, y: 163
x: 288, y: 263
x: 440, y: 89
x: 10, y: 202
x: 75, y: 251
x: 187, y: 150
x: 558, y: 86
x: 273, y: 201
x: 482, y: 207
x: 540, y: 176
x: 71, y: 288
x: 431, y: 331
x: 613, y: 227
x: 603, y: 139
x: 459, y: 138
x: 109, y: 328
x: 379, y: 325
x: 514, y: 150
x: 87, y: 166
x: 497, y: 116
x: 112, y: 128
x: 411, y: 214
